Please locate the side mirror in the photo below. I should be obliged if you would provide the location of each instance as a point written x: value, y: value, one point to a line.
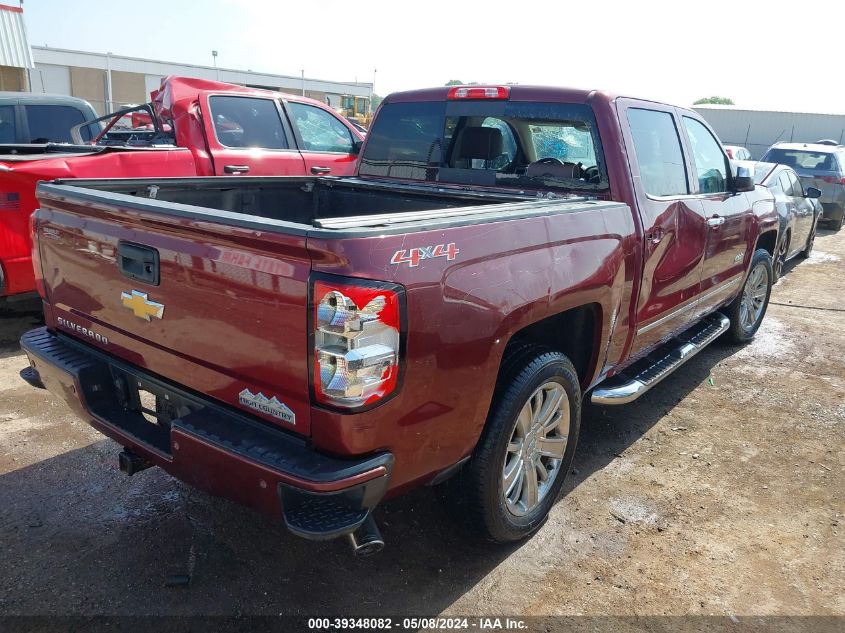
x: 813, y: 192
x: 356, y: 147
x: 744, y: 179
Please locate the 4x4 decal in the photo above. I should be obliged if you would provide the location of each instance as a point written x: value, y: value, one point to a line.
x: 413, y: 256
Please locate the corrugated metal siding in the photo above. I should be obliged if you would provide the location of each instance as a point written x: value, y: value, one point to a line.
x: 760, y: 129
x: 14, y: 47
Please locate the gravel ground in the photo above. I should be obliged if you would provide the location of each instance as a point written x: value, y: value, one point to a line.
x: 719, y: 492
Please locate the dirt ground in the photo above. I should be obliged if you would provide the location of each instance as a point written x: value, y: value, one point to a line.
x: 719, y: 492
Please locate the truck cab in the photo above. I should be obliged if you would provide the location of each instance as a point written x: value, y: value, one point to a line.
x: 30, y: 117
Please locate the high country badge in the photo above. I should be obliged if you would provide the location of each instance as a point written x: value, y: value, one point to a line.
x: 268, y: 406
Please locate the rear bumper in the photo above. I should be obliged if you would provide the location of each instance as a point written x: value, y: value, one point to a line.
x: 832, y: 210
x: 209, y: 445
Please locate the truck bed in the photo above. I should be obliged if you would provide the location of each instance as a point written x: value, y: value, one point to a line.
x: 298, y: 204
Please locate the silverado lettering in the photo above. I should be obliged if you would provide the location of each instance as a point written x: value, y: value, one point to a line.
x: 84, y: 331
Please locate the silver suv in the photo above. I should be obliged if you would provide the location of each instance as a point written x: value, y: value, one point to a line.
x: 818, y: 165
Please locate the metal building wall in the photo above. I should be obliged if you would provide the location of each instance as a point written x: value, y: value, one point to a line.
x: 155, y: 68
x: 14, y: 47
x: 760, y: 129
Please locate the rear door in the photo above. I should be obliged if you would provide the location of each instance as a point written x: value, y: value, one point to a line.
x: 672, y: 222
x: 327, y: 144
x: 248, y: 135
x: 803, y: 210
x: 727, y: 216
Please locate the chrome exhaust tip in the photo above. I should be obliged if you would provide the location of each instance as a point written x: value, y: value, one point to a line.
x: 366, y: 540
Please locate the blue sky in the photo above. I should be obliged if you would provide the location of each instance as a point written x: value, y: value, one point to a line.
x: 761, y: 54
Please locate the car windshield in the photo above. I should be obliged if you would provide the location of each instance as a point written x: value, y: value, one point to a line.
x: 802, y: 160
x: 487, y: 143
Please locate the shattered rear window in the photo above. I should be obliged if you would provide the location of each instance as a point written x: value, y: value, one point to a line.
x: 487, y: 143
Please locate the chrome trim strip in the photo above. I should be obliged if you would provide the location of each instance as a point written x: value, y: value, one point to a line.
x: 727, y: 284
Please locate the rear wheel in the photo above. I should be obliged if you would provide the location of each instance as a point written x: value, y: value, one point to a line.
x: 746, y: 312
x: 506, y: 490
x: 837, y: 223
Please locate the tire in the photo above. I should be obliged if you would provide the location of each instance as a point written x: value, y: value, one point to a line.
x: 808, y: 248
x: 780, y: 258
x: 509, y: 441
x: 837, y: 224
x: 746, y: 312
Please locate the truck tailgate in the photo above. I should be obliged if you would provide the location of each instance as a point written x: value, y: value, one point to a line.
x: 217, y: 309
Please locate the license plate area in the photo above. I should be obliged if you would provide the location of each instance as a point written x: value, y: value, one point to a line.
x: 148, y: 408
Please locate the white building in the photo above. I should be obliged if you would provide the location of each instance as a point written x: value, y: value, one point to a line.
x: 109, y: 81
x: 760, y: 129
x: 86, y: 75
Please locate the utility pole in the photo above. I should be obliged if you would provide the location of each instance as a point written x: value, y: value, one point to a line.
x: 373, y: 89
x: 303, y: 81
x: 108, y: 83
x: 216, y: 69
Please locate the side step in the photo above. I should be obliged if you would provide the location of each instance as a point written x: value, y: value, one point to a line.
x: 644, y: 374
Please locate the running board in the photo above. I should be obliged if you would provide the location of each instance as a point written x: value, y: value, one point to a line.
x: 635, y: 380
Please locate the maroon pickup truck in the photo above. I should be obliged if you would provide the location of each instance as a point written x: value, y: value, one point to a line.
x: 309, y: 346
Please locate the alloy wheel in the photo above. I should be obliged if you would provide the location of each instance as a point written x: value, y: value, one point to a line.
x: 536, y: 448
x: 754, y: 296
x: 780, y: 260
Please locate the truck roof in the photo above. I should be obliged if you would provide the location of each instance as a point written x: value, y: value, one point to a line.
x: 520, y: 93
x: 175, y: 89
x: 42, y: 99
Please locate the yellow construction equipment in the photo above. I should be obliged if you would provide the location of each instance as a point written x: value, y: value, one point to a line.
x: 356, y: 109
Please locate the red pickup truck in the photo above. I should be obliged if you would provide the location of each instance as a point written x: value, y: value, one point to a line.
x: 309, y: 346
x: 196, y: 128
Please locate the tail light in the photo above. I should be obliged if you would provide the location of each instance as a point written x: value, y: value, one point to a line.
x: 479, y: 92
x: 36, y: 256
x: 834, y: 180
x: 357, y: 341
x: 729, y: 152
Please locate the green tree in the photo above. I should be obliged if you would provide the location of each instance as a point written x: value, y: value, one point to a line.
x: 375, y: 101
x: 715, y: 100
x: 454, y: 82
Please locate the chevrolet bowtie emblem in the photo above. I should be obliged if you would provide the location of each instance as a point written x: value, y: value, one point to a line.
x: 141, y: 307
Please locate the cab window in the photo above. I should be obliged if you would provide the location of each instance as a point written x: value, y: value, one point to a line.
x: 659, y: 155
x: 247, y: 122
x: 320, y: 130
x: 710, y: 162
x: 52, y: 123
x: 8, y: 130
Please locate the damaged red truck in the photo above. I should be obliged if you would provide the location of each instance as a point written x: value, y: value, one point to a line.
x: 310, y: 346
x: 195, y: 128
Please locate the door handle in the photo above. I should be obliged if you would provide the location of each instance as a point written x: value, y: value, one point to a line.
x: 138, y: 262
x: 236, y: 169
x: 316, y: 170
x: 656, y: 235
x: 715, y: 221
